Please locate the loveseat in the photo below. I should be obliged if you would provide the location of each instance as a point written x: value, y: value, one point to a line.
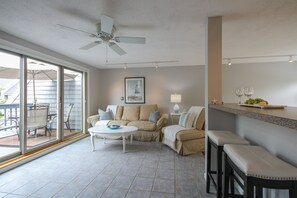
x: 135, y: 115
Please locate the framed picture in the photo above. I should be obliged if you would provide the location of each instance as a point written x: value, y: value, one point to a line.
x: 135, y: 90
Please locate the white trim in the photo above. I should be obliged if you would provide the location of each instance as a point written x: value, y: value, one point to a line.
x: 21, y: 46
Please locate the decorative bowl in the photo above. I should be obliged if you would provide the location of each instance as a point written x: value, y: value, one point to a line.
x: 114, y: 126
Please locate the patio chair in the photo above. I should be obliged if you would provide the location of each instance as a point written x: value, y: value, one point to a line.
x: 37, y: 119
x: 67, y: 116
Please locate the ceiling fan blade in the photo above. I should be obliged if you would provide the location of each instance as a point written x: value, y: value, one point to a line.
x: 125, y: 39
x: 71, y: 28
x: 116, y: 48
x: 90, y: 45
x: 106, y: 24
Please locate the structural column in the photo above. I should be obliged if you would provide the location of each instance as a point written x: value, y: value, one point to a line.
x: 213, y: 68
x: 214, y: 59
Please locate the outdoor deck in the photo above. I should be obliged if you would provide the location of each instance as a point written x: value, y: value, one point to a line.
x: 9, y: 142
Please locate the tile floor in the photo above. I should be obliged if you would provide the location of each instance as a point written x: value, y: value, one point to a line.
x: 147, y: 170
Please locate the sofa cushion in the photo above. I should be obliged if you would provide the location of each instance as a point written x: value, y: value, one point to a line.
x: 190, y: 135
x: 145, y: 111
x: 143, y: 125
x: 154, y: 116
x: 131, y: 113
x: 118, y: 122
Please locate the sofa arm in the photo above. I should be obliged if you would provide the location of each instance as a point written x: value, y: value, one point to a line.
x: 162, y: 121
x: 93, y: 119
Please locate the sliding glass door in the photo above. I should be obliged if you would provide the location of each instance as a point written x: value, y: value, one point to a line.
x: 9, y: 104
x: 40, y: 104
x: 73, y: 105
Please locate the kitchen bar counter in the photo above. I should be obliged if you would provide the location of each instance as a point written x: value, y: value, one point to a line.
x: 283, y: 117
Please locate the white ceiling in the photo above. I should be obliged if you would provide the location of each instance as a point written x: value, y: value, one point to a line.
x: 174, y: 29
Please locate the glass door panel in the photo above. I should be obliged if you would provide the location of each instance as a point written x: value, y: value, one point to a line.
x: 41, y: 103
x: 9, y: 104
x: 72, y: 102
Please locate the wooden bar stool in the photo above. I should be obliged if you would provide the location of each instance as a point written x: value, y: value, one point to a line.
x: 258, y: 168
x: 218, y: 139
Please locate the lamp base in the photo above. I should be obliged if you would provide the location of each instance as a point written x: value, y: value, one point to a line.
x: 176, y: 108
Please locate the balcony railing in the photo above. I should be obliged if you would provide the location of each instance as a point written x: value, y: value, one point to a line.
x: 8, y: 111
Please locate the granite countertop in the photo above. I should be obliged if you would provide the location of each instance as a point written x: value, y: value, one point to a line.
x: 284, y: 117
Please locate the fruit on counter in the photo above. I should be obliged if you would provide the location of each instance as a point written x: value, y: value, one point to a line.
x: 263, y: 103
x: 258, y: 101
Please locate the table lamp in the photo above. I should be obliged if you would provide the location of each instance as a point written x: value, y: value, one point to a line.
x: 175, y: 98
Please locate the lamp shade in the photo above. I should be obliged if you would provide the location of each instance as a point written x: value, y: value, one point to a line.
x: 175, y: 98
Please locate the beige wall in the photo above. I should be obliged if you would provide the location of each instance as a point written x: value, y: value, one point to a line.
x: 275, y: 82
x: 93, y: 90
x: 159, y: 84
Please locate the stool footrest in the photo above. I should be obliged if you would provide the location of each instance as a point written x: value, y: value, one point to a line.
x: 212, y: 180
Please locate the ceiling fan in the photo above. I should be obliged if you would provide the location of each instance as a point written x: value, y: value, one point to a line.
x: 105, y: 32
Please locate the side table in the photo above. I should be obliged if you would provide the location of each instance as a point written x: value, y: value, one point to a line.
x: 172, y: 115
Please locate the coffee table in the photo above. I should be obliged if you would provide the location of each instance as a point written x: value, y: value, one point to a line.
x: 105, y: 132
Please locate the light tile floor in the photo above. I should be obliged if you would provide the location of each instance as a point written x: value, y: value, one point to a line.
x: 147, y: 170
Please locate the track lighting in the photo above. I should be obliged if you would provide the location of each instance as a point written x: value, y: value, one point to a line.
x: 274, y: 57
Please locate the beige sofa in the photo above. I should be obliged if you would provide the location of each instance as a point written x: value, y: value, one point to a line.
x: 188, y: 141
x: 138, y: 116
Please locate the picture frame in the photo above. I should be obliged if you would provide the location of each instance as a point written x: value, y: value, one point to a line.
x: 134, y: 90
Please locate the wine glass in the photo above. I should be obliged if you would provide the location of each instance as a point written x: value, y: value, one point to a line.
x: 248, y: 92
x: 239, y: 93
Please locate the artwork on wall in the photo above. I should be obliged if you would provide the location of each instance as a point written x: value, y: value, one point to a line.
x: 135, y: 90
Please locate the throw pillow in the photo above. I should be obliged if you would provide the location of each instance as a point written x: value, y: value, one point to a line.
x: 186, y: 120
x: 154, y: 116
x: 182, y: 119
x: 105, y: 115
x: 190, y: 120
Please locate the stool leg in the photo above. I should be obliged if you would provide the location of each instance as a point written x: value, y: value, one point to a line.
x: 227, y: 171
x: 219, y: 171
x: 208, y: 164
x: 248, y: 188
x: 293, y: 192
x: 232, y: 180
x: 259, y: 192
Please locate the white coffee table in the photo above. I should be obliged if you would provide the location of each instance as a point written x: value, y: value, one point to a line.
x: 105, y: 132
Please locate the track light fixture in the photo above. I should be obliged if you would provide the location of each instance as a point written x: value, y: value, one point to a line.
x: 125, y: 67
x: 280, y: 57
x: 156, y: 65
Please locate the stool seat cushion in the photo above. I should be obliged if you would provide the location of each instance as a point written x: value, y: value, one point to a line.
x: 255, y: 161
x: 221, y: 138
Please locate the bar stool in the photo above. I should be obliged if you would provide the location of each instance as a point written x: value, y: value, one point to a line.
x: 218, y: 139
x: 258, y: 168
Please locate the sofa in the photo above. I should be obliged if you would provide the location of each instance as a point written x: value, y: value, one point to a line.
x: 135, y: 115
x: 190, y: 140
